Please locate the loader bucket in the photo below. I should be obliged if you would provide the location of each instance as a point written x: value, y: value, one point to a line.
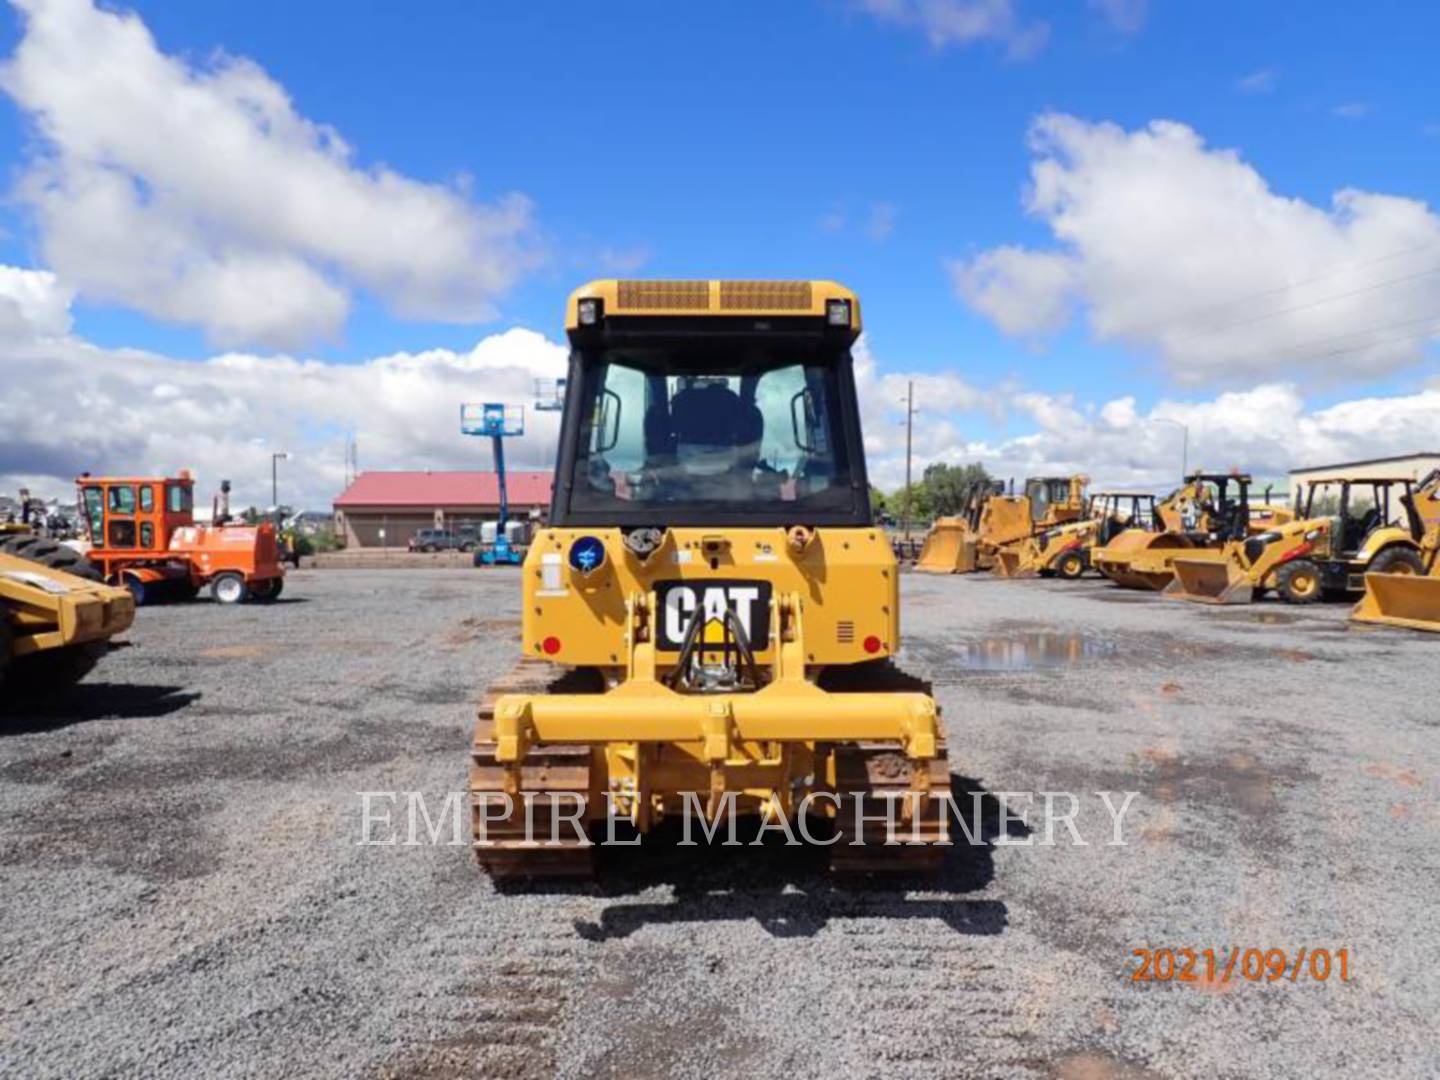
x: 1400, y: 600
x: 942, y: 550
x: 1007, y: 563
x: 1210, y: 581
x: 969, y: 560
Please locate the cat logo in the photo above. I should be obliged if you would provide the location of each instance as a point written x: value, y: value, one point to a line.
x: 679, y: 600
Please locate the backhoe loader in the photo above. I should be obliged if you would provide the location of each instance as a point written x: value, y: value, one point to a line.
x: 53, y: 612
x: 1048, y: 502
x: 1402, y: 597
x: 1209, y: 510
x: 1345, y: 530
x: 1066, y: 550
x: 953, y: 544
x: 710, y: 617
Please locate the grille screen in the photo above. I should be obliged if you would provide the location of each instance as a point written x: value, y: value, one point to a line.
x: 664, y: 295
x: 764, y: 296
x: 845, y: 632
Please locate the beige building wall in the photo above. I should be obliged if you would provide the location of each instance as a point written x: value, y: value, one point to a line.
x: 1414, y: 466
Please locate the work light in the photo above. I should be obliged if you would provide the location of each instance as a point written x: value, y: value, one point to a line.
x: 837, y: 312
x: 589, y: 310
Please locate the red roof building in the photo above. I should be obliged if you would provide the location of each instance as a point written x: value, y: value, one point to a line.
x: 385, y: 509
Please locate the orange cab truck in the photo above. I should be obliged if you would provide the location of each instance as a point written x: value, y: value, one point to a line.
x: 143, y: 535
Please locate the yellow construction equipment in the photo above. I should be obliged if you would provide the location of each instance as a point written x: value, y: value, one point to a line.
x: 1065, y: 551
x: 953, y: 544
x: 1401, y: 597
x: 53, y: 610
x: 1209, y: 510
x: 1013, y: 520
x: 1346, y: 529
x: 711, y: 614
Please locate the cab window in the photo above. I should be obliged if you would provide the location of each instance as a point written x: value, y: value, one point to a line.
x: 179, y: 498
x: 121, y: 499
x: 147, y: 499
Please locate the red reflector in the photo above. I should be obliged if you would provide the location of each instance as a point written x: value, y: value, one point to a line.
x: 872, y: 644
x: 551, y: 645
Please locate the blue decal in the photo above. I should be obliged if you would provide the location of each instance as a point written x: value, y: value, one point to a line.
x: 587, y: 554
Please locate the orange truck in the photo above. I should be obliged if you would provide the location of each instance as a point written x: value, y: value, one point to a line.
x: 143, y: 535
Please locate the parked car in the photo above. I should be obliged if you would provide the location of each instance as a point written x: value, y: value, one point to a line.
x: 433, y: 540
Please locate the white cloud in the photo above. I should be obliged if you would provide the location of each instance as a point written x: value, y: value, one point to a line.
x: 1352, y: 110
x: 1258, y: 82
x: 1184, y: 251
x: 197, y: 193
x: 1126, y: 16
x: 965, y: 22
x: 71, y: 406
x: 876, y: 223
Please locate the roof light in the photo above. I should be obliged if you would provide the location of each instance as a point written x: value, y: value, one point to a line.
x: 589, y: 311
x: 837, y: 312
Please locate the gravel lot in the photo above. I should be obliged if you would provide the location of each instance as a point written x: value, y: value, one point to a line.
x: 183, y: 893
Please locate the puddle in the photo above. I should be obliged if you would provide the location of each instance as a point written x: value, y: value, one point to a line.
x: 1038, y: 649
x: 1263, y: 618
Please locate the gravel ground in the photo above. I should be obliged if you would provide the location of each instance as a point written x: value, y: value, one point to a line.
x: 183, y: 893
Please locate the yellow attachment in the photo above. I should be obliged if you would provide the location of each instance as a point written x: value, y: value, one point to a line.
x: 1006, y: 518
x: 711, y: 297
x: 1211, y: 577
x: 48, y: 609
x: 1140, y: 559
x: 1405, y: 600
x: 949, y: 548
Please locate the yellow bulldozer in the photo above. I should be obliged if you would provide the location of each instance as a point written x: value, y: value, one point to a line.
x: 1014, y: 520
x: 1403, y: 597
x: 1345, y: 529
x: 1066, y: 551
x: 711, y: 615
x: 54, y: 611
x: 954, y: 544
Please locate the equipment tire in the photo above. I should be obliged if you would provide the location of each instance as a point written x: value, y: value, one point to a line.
x: 229, y: 588
x: 1070, y: 565
x: 136, y: 587
x: 56, y: 556
x: 1397, y: 560
x: 1299, y: 582
x: 266, y: 591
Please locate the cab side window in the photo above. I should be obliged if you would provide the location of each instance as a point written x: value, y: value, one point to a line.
x: 147, y: 499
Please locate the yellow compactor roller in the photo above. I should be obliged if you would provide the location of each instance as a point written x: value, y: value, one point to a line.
x: 1346, y: 529
x: 53, y: 613
x: 710, y: 615
x: 1410, y: 599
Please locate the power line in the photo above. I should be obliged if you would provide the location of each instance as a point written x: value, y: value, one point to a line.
x: 1301, y: 346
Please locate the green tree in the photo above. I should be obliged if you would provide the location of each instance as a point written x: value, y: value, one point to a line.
x: 948, y: 487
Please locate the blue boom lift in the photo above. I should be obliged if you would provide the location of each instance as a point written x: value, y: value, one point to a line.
x: 499, y: 422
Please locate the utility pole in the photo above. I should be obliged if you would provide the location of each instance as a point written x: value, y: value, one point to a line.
x: 909, y: 430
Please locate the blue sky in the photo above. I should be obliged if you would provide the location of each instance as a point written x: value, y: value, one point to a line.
x: 817, y: 139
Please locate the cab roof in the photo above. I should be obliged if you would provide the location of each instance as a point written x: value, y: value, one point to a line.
x: 711, y: 297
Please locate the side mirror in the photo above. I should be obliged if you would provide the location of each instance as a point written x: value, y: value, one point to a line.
x: 802, y: 398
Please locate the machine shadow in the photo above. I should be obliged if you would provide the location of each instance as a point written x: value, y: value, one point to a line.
x: 788, y: 890
x: 30, y: 713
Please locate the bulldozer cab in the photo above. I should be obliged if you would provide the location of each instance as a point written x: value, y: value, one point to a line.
x: 1359, y: 509
x: 711, y: 420
x: 135, y: 514
x: 1055, y: 499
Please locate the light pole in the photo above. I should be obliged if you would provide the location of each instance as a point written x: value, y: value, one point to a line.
x: 275, y: 479
x: 1184, y: 445
x: 909, y: 426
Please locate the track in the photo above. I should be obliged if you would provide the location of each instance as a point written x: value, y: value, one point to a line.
x: 550, y: 778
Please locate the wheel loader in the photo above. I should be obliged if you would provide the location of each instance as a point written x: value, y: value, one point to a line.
x: 953, y: 545
x: 1066, y: 551
x: 1345, y: 529
x: 711, y: 615
x: 1403, y: 597
x: 53, y: 612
